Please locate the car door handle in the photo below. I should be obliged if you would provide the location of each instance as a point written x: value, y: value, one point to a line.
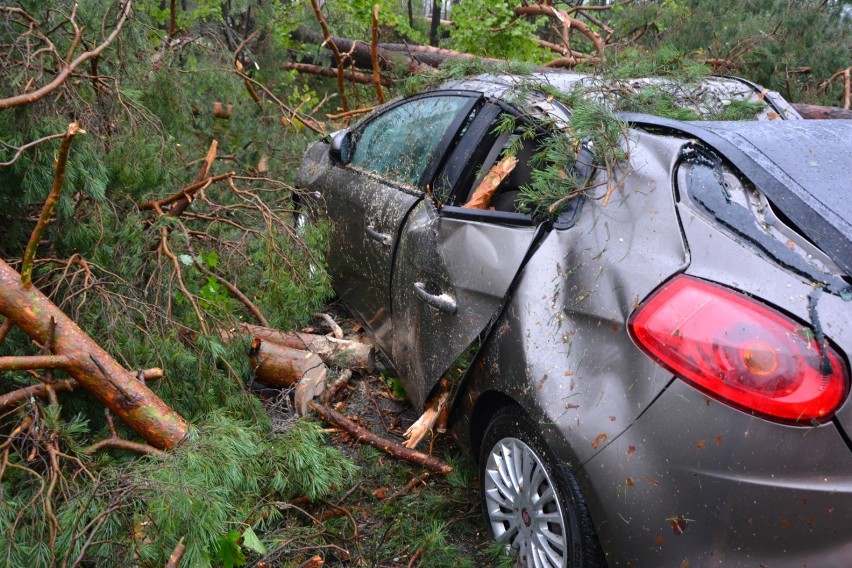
x: 443, y: 302
x: 377, y: 236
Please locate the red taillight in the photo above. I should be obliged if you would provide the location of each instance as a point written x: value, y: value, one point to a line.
x: 740, y: 351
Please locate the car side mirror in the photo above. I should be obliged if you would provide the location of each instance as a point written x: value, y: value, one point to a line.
x: 340, y: 151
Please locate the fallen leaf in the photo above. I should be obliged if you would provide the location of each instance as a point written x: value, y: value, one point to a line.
x: 599, y: 440
x: 678, y: 524
x: 380, y: 493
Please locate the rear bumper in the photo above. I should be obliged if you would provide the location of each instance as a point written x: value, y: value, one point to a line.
x: 696, y: 483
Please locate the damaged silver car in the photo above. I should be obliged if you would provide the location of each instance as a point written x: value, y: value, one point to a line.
x: 654, y: 312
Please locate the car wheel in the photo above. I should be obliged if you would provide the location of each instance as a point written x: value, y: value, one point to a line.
x: 531, y: 505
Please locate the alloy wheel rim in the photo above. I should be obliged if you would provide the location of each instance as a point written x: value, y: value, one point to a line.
x: 522, y: 506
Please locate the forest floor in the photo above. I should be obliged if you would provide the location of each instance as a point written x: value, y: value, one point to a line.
x: 394, y: 513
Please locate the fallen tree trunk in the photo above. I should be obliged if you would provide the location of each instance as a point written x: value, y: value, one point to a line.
x: 282, y: 366
x: 816, y: 112
x: 92, y: 367
x: 346, y: 353
x: 413, y: 57
x: 392, y: 448
x: 353, y: 76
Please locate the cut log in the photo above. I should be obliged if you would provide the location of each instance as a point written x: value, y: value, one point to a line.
x: 281, y: 366
x: 345, y: 353
x: 391, y: 448
x: 93, y: 368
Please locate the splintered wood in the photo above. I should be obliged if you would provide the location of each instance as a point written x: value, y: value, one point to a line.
x: 485, y: 191
x: 436, y: 408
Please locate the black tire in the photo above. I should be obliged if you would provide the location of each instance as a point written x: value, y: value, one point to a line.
x: 532, y: 523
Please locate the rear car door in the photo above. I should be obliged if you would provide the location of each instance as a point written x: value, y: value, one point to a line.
x: 368, y: 199
x: 455, y: 265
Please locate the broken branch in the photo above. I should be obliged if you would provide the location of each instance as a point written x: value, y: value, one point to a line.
x: 118, y: 388
x: 338, y: 56
x: 563, y: 17
x: 185, y: 193
x: 335, y: 329
x: 30, y: 362
x: 49, y: 203
x: 39, y: 390
x: 361, y: 434
x: 66, y: 72
x: 374, y: 56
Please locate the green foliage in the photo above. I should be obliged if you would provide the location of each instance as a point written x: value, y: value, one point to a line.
x: 741, y: 109
x: 229, y: 473
x: 491, y: 29
x: 395, y: 385
x: 146, y: 129
x: 786, y: 46
x: 666, y: 61
x: 456, y: 69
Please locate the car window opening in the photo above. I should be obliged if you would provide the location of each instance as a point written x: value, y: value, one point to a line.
x: 506, y: 169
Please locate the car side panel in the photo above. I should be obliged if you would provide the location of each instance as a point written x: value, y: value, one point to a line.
x: 561, y: 349
x: 697, y: 483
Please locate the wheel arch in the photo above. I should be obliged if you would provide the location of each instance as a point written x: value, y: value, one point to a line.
x: 486, y: 405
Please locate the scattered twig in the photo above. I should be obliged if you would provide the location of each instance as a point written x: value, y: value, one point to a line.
x: 328, y: 395
x: 315, y: 561
x: 415, y: 557
x: 116, y: 442
x: 19, y: 150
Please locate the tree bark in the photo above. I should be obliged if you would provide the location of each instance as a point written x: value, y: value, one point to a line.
x: 436, y: 21
x: 353, y: 76
x: 817, y: 112
x: 92, y: 367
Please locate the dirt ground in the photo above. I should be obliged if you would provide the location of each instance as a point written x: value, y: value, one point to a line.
x: 395, y: 513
